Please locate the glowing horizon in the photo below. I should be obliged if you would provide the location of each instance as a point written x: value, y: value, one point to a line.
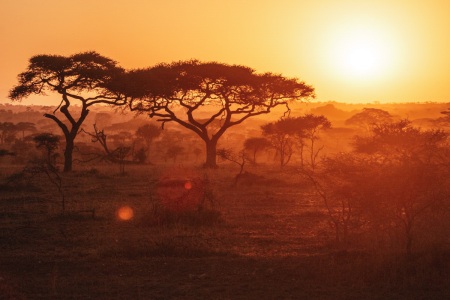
x: 383, y: 51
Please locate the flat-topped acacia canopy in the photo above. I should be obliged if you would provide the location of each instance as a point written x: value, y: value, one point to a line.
x: 231, y: 93
x: 86, y: 78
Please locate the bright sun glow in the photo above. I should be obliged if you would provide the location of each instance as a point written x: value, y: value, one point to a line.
x: 360, y: 55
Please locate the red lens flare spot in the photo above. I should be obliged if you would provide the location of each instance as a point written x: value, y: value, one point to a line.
x: 188, y: 185
x: 125, y: 213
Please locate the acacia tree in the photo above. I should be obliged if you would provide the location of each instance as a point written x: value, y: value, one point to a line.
x: 303, y: 130
x: 308, y: 127
x: 84, y: 78
x: 255, y: 145
x: 49, y: 142
x: 8, y: 131
x: 148, y: 133
x: 369, y: 117
x: 26, y: 126
x: 199, y: 96
x: 281, y: 139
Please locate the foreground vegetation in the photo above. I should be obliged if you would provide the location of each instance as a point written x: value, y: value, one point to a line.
x: 269, y: 237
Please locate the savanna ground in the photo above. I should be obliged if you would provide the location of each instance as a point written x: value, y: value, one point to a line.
x: 266, y: 238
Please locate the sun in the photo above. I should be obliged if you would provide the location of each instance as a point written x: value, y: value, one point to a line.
x: 360, y: 55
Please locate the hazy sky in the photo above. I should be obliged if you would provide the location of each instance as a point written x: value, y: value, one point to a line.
x: 350, y: 51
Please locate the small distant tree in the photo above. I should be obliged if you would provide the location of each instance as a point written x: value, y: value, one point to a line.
x: 85, y: 78
x: 308, y: 128
x: 49, y: 142
x: 8, y: 131
x: 301, y: 131
x: 147, y: 133
x: 281, y: 140
x: 255, y: 145
x: 369, y: 117
x: 391, y: 140
x: 25, y: 126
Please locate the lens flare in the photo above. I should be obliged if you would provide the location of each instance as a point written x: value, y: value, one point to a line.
x: 125, y: 213
x: 188, y: 185
x: 180, y: 189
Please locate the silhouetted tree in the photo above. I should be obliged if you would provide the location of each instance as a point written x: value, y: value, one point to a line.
x: 148, y: 133
x: 25, y: 126
x: 369, y: 117
x: 281, y: 139
x: 85, y: 78
x: 184, y: 92
x: 309, y: 127
x: 8, y: 131
x: 255, y: 145
x: 301, y: 131
x: 398, y: 139
x: 49, y: 142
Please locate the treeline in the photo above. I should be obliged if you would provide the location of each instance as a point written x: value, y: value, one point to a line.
x: 291, y: 140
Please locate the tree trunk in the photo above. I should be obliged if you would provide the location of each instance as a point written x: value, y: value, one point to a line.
x: 71, y: 134
x: 68, y: 153
x: 211, y: 154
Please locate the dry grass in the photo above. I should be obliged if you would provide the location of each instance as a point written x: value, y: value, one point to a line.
x: 268, y: 240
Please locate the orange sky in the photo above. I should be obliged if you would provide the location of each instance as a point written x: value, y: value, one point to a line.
x: 350, y: 51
